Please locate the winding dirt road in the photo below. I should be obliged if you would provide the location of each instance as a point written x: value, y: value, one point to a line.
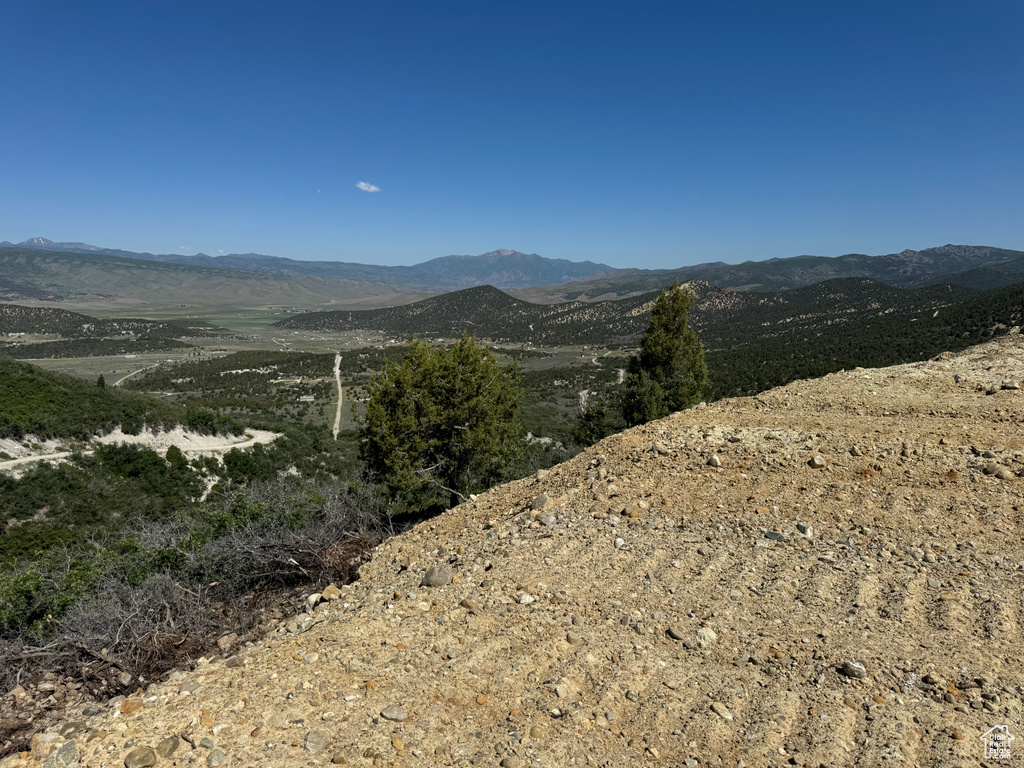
x: 337, y: 379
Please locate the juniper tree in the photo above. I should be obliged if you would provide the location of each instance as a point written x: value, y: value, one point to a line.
x: 669, y: 373
x: 442, y: 423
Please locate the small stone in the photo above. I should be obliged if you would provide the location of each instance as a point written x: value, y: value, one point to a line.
x: 549, y: 520
x: 721, y: 710
x: 817, y: 462
x: 706, y: 636
x: 1011, y: 384
x: 619, y: 542
x: 437, y: 576
x: 140, y: 757
x: 315, y: 742
x: 526, y: 599
x: 234, y: 662
x: 124, y: 679
x: 215, y: 758
x: 676, y: 633
x: 395, y: 713
x: 131, y: 706
x: 714, y: 461
x: 189, y: 686
x: 313, y: 600
x: 225, y: 642
x: 206, y: 743
x: 1004, y: 474
x: 511, y: 762
x: 168, y: 746
x: 574, y: 638
x: 990, y: 469
x: 340, y: 758
x: 66, y: 757
x: 471, y: 605
x: 805, y: 529
x: 854, y: 669
x: 481, y: 699
x: 331, y: 592
x: 541, y: 502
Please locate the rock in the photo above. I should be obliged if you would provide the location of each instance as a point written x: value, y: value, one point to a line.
x: 225, y: 642
x: 315, y: 742
x: 234, y: 662
x: 1004, y: 474
x: 575, y: 638
x: 775, y: 536
x: 1012, y: 384
x: 395, y: 714
x: 990, y: 469
x: 511, y: 762
x: 189, y: 686
x: 124, y: 679
x: 805, y: 529
x: 854, y: 669
x: 215, y: 758
x: 471, y: 605
x: 331, y: 592
x: 140, y: 757
x: 168, y: 746
x: 619, y: 542
x: 437, y: 576
x: 706, y: 636
x: 540, y: 503
x: 817, y: 462
x: 131, y: 706
x: 714, y: 461
x: 313, y: 600
x: 67, y: 756
x: 339, y: 758
x: 676, y: 633
x: 541, y: 474
x: 721, y: 710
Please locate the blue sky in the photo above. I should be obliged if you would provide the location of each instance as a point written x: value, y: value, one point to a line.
x: 650, y: 134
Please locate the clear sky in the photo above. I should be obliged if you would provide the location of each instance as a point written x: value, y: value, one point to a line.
x: 645, y: 133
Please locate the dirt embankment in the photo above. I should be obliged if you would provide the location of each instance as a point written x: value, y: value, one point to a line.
x: 829, y: 573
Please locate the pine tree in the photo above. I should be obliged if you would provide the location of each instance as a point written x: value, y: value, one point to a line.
x: 669, y: 374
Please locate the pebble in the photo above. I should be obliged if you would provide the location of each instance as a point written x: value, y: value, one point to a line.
x: 817, y: 462
x: 854, y: 669
x: 437, y: 576
x: 215, y: 758
x: 140, y: 757
x: 714, y: 461
x: 721, y: 710
x: 706, y: 636
x: 168, y: 746
x: 394, y: 713
x: 676, y: 633
x: 540, y: 502
x: 315, y: 742
x: 471, y: 605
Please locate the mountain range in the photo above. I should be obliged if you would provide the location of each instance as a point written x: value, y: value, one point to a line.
x: 502, y: 268
x: 88, y: 276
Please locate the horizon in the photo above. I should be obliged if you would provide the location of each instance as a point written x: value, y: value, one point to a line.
x: 387, y: 133
x: 495, y: 250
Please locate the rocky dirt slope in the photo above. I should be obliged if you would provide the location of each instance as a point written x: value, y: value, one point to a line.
x: 828, y: 573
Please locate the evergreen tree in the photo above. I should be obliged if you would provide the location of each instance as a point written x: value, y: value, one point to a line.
x: 441, y: 424
x: 669, y: 374
x: 101, y: 382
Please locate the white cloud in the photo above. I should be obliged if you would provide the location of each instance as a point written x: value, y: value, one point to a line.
x: 184, y: 248
x: 367, y: 187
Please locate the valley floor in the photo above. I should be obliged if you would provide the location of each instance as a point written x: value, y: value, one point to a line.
x: 829, y: 573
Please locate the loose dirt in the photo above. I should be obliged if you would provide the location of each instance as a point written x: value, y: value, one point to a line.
x: 843, y: 588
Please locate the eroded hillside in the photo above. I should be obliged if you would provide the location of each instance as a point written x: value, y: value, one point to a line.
x: 829, y: 573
